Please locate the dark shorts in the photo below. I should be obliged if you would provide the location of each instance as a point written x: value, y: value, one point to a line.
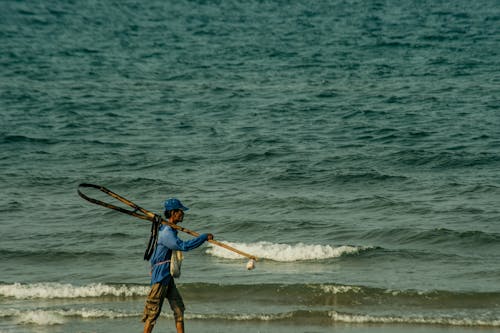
x: 155, y: 299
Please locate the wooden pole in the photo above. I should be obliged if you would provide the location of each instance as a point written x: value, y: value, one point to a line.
x: 149, y: 216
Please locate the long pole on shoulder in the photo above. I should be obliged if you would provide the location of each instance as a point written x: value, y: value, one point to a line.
x: 144, y: 214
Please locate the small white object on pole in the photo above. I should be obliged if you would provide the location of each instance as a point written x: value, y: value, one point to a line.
x: 251, y: 264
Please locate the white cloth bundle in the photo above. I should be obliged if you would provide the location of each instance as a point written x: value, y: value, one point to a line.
x: 175, y: 263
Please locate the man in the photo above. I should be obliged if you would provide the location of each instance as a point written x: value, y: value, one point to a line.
x: 162, y: 282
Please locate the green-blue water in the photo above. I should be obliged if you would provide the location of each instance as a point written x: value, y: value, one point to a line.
x: 353, y: 146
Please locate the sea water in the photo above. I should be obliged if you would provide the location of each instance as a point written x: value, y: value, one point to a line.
x: 352, y: 146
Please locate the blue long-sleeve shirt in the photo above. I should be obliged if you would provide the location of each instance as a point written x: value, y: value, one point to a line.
x: 168, y: 241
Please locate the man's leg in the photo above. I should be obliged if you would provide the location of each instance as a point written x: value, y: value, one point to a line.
x: 177, y: 306
x: 148, y: 328
x: 179, y: 325
x: 153, y: 306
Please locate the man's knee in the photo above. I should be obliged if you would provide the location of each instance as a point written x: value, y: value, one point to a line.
x: 154, y: 303
x: 152, y: 311
x: 177, y: 306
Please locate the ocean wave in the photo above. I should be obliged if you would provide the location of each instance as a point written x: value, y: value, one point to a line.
x: 444, y: 159
x: 305, y: 294
x: 286, y: 252
x: 368, y: 177
x: 243, y: 316
x: 337, y: 289
x: 44, y: 317
x: 35, y: 317
x: 439, y: 236
x: 54, y: 290
x: 356, y: 296
x: 59, y: 290
x: 51, y: 254
x: 423, y: 320
x: 13, y: 139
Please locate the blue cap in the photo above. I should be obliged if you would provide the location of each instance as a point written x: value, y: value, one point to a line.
x: 174, y: 203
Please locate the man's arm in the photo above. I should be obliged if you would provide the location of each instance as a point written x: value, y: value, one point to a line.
x: 170, y: 240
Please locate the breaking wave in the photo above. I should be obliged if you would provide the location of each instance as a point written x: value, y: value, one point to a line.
x: 60, y: 316
x: 59, y: 290
x: 423, y: 320
x: 311, y: 294
x: 286, y: 252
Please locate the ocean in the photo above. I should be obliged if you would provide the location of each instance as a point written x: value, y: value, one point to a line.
x: 352, y: 146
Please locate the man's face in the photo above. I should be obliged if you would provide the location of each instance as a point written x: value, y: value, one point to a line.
x: 177, y: 216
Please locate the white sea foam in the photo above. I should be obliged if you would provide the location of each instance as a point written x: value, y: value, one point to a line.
x: 60, y: 316
x: 95, y: 313
x: 242, y: 317
x: 365, y: 319
x: 55, y: 317
x: 40, y: 317
x: 338, y: 289
x: 284, y: 252
x: 59, y: 290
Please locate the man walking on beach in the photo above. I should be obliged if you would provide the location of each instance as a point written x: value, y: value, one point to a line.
x: 162, y: 282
